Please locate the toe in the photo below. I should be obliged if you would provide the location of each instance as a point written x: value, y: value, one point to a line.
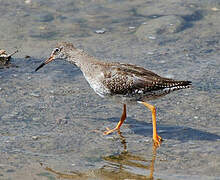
x: 108, y: 131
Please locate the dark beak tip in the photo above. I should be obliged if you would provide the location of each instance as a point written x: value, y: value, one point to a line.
x: 39, y: 67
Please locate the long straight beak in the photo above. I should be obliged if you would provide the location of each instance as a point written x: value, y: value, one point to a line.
x: 51, y: 58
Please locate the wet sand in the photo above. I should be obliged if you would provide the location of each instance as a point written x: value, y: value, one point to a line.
x: 51, y: 121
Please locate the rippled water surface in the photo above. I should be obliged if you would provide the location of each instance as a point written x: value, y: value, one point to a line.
x: 51, y: 121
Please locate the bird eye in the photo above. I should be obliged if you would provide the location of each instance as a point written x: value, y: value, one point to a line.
x: 56, y: 50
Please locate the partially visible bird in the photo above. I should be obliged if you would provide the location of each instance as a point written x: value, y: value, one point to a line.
x: 124, y: 82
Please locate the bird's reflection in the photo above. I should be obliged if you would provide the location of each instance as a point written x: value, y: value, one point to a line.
x: 122, y: 166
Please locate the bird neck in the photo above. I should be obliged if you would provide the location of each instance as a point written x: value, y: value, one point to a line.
x: 81, y: 59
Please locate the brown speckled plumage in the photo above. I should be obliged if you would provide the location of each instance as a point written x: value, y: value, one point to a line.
x: 138, y: 83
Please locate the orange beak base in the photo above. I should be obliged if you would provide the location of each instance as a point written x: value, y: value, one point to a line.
x: 51, y: 58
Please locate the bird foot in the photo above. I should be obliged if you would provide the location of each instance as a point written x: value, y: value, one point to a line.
x: 109, y: 131
x: 157, y: 140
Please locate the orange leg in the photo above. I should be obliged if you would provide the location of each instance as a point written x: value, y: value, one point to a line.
x: 157, y: 139
x: 117, y: 128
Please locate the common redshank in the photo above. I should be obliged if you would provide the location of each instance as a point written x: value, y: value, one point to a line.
x: 124, y: 82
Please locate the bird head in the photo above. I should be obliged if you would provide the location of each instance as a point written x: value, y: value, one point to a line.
x: 60, y: 52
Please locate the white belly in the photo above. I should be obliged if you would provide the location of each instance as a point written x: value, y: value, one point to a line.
x: 98, y: 87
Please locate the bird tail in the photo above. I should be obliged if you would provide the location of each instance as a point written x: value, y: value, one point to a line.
x: 176, y: 85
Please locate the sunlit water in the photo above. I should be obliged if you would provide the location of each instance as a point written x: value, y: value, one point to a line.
x: 51, y: 122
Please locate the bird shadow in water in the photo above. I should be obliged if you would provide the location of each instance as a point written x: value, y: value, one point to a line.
x: 180, y: 133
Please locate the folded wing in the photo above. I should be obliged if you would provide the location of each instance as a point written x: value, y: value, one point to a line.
x: 128, y: 79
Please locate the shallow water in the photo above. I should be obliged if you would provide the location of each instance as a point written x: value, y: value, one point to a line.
x: 51, y: 122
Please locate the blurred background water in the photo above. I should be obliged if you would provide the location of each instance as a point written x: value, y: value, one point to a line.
x: 51, y: 121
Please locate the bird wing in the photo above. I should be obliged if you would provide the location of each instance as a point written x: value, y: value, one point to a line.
x: 127, y: 78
